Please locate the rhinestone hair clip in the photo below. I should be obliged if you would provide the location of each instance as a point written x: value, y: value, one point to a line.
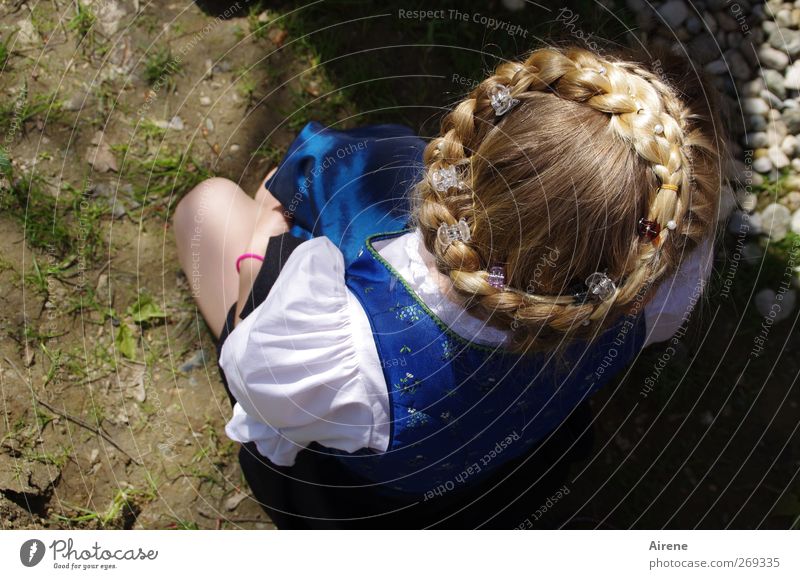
x: 598, y: 287
x: 447, y: 234
x: 497, y: 277
x: 446, y: 178
x: 502, y: 102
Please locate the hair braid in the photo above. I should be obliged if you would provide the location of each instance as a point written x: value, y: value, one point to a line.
x: 642, y: 113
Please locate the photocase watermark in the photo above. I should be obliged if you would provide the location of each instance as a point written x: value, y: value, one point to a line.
x: 31, y: 552
x: 475, y: 17
x: 546, y: 506
x: 65, y: 555
x: 328, y: 162
x: 473, y: 469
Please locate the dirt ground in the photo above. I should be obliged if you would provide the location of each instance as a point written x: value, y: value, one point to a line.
x: 112, y: 410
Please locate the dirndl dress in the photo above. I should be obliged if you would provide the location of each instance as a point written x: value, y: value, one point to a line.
x: 347, y: 185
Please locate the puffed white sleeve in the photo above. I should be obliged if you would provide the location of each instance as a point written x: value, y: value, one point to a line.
x: 303, y: 365
x: 678, y: 294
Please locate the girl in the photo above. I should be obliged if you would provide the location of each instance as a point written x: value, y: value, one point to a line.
x: 418, y: 327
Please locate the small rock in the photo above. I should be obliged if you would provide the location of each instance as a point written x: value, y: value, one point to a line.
x: 738, y: 65
x: 694, y: 25
x: 749, y: 202
x: 778, y: 158
x: 786, y: 40
x: 277, y: 36
x: 102, y: 286
x: 109, y: 16
x: 100, y: 156
x: 773, y: 101
x: 727, y: 22
x: 757, y: 140
x: 796, y: 222
x: 775, y: 83
x: 704, y: 49
x: 198, y: 360
x: 175, y: 123
x: 775, y: 221
x: 716, y: 67
x: 26, y: 34
x: 789, y: 145
x: 205, y: 101
x: 792, y: 79
x: 234, y: 148
x: 796, y: 165
x: 755, y: 106
x: 776, y: 306
x: 756, y: 123
x: 791, y: 118
x: 772, y: 58
x: 234, y: 501
x: 783, y: 17
x: 762, y: 165
x: 792, y: 202
x: 674, y: 12
x: 209, y: 125
x: 94, y: 456
x: 225, y: 66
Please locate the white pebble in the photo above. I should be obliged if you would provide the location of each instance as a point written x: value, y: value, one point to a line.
x: 205, y: 101
x: 762, y: 165
x: 778, y: 158
x: 775, y: 221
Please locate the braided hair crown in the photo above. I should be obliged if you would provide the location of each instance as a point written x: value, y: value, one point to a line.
x: 558, y: 186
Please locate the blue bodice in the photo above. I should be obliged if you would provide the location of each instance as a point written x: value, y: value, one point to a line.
x: 458, y: 409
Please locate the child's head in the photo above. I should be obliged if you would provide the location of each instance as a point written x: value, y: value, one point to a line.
x: 555, y: 188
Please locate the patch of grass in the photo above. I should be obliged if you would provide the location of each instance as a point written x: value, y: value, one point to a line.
x: 246, y: 85
x: 15, y: 112
x: 122, y: 511
x: 159, y: 68
x: 82, y: 22
x: 271, y: 152
x: 159, y: 180
x: 57, y: 459
x: 258, y: 29
x: 5, y: 52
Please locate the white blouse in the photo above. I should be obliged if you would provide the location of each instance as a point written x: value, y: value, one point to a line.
x: 304, y: 367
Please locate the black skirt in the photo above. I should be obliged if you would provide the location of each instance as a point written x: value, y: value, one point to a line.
x: 317, y: 492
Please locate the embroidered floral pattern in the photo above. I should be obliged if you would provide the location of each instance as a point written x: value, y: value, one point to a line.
x: 407, y: 384
x: 416, y: 418
x: 410, y: 313
x: 447, y: 346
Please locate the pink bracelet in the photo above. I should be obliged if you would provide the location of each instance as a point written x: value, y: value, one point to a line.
x: 245, y: 256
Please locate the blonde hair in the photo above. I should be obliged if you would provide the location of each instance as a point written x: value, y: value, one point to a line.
x: 555, y: 188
